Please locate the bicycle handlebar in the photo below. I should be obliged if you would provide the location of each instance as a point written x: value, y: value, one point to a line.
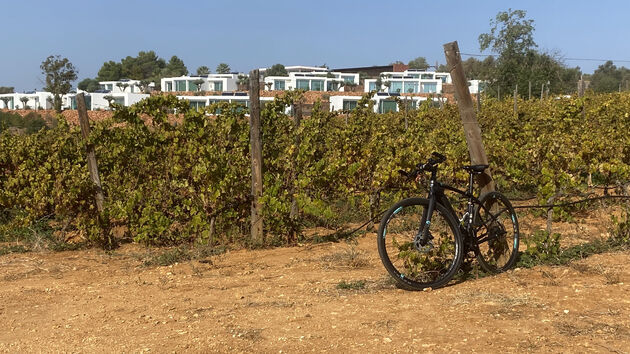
x: 430, y: 166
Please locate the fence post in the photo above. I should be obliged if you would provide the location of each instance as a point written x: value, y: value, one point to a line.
x: 91, y: 162
x: 467, y: 114
x: 257, y: 236
x: 294, y: 212
x: 91, y: 156
x: 515, y: 99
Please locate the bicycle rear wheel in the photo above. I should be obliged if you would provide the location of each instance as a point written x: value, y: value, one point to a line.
x: 497, y: 233
x: 414, y: 262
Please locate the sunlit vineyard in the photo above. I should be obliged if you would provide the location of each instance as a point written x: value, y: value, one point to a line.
x: 170, y: 180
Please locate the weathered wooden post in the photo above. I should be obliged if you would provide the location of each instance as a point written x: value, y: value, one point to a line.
x: 256, y: 154
x: 467, y: 114
x: 93, y: 168
x: 91, y: 156
x: 516, y: 99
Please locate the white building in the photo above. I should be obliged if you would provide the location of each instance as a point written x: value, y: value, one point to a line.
x: 28, y: 100
x: 298, y: 69
x: 124, y: 85
x: 312, y: 81
x: 383, y: 102
x: 410, y: 81
x: 476, y: 86
x: 212, y: 82
x: 100, y: 100
x: 200, y: 102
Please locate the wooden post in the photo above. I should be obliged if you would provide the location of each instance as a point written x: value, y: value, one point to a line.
x: 515, y: 99
x: 91, y: 156
x: 542, y: 90
x: 294, y: 212
x: 467, y: 114
x: 478, y: 100
x: 256, y: 154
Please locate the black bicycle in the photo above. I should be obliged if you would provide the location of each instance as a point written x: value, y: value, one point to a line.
x: 422, y: 242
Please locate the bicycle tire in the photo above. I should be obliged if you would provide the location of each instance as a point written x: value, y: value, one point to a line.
x: 415, y: 266
x: 497, y: 236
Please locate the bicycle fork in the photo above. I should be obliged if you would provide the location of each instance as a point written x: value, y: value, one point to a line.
x: 423, y: 240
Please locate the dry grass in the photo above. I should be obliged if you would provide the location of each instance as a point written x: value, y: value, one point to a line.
x: 348, y: 258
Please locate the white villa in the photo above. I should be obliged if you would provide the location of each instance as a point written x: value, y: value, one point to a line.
x: 212, y: 82
x: 298, y: 69
x: 100, y: 100
x: 383, y: 102
x: 320, y: 80
x: 31, y: 100
x: 410, y: 81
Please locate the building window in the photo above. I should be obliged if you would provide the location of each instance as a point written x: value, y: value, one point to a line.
x: 192, y: 86
x: 396, y: 87
x: 410, y: 87
x: 386, y: 106
x: 317, y: 85
x: 302, y: 85
x: 197, y: 105
x: 429, y: 87
x: 218, y: 85
x: 427, y: 76
x: 119, y: 100
x: 348, y: 79
x: 372, y: 86
x: 278, y: 84
x: 443, y: 78
x: 349, y: 105
x: 409, y: 104
x: 169, y: 86
x: 180, y: 85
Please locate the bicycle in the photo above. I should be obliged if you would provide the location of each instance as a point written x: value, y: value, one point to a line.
x: 422, y: 242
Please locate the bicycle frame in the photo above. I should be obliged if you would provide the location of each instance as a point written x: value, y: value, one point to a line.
x: 437, y: 195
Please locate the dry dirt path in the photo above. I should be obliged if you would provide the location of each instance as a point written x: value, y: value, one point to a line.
x: 288, y: 300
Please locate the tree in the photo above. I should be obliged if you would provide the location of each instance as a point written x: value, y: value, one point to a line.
x: 476, y: 69
x: 511, y: 36
x: 418, y: 63
x: 147, y: 65
x: 24, y: 100
x: 276, y: 70
x: 6, y: 101
x: 174, y: 67
x: 223, y: 68
x: 608, y: 78
x: 110, y: 71
x: 122, y: 86
x: 243, y: 82
x: 6, y: 89
x: 203, y: 70
x: 144, y: 85
x: 59, y: 73
x: 89, y: 85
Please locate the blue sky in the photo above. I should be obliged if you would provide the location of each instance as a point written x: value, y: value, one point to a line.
x: 252, y: 34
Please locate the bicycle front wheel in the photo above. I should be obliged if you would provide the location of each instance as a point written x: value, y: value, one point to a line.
x: 497, y: 233
x: 414, y: 260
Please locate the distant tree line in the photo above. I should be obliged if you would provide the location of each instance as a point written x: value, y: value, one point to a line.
x: 518, y: 64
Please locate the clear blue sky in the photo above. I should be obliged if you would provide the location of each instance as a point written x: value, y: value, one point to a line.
x: 252, y: 34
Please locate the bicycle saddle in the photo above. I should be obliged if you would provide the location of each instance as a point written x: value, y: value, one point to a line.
x: 475, y: 168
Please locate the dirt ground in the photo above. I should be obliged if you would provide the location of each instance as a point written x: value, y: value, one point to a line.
x: 333, y: 297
